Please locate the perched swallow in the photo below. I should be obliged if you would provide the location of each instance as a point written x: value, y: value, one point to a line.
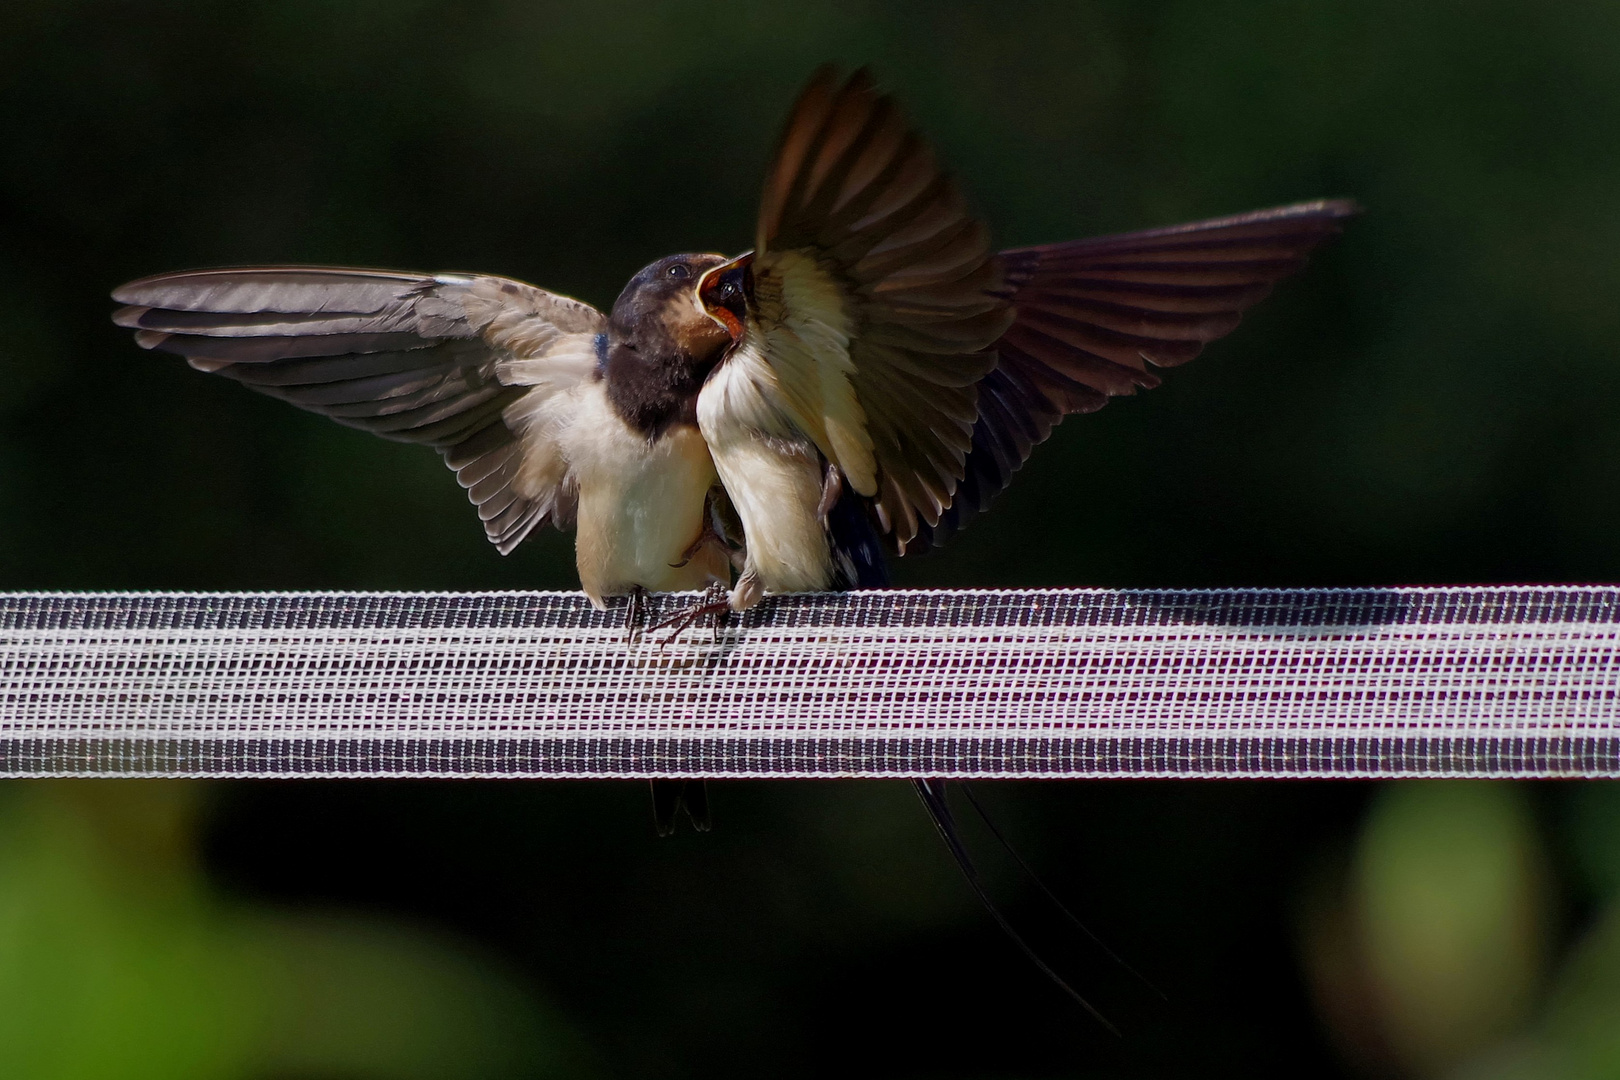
x: 856, y: 387
x: 892, y: 370
x: 546, y: 409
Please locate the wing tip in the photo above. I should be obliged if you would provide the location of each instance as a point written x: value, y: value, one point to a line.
x: 140, y: 291
x: 1342, y: 208
x: 860, y: 81
x: 131, y: 292
x: 129, y: 316
x: 1336, y: 209
x: 825, y: 76
x: 506, y: 536
x: 1328, y: 214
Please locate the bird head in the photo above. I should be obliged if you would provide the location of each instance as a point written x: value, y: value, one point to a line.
x: 659, y: 315
x: 725, y: 291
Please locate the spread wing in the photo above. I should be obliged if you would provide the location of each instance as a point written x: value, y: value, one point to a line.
x: 474, y: 366
x: 875, y: 301
x: 1094, y: 318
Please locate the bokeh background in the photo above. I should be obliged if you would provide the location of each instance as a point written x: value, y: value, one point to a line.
x: 1435, y: 400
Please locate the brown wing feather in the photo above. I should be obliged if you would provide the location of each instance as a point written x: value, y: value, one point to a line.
x: 1094, y: 317
x: 450, y: 361
x: 855, y: 200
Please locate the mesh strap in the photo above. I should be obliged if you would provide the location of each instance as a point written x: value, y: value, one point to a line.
x: 1517, y: 681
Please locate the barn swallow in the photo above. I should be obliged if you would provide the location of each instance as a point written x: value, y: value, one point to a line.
x: 858, y: 386
x: 546, y: 409
x: 892, y: 370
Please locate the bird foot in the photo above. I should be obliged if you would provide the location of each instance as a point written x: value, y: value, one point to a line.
x: 715, y: 605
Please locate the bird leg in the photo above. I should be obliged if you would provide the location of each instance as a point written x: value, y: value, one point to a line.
x: 715, y: 604
x: 748, y: 592
x: 635, y: 612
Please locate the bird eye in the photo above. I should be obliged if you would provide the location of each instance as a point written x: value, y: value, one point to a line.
x: 679, y: 270
x: 728, y: 290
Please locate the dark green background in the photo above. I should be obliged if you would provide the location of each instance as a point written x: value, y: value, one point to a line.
x: 1434, y: 400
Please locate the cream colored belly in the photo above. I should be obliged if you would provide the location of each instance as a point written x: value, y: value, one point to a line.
x: 641, y: 505
x: 775, y: 491
x: 776, y: 496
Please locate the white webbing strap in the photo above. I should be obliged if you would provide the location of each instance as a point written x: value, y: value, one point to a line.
x: 1511, y: 681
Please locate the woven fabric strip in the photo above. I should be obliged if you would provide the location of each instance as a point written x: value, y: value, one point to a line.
x: 1515, y: 681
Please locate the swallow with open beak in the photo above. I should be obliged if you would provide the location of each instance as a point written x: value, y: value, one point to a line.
x: 856, y: 387
x: 892, y: 370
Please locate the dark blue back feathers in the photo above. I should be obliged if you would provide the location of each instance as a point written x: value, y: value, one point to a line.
x: 857, y: 550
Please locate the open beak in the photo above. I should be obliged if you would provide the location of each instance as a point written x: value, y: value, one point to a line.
x: 725, y: 292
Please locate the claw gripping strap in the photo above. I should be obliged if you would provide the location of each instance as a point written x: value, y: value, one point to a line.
x: 1514, y: 681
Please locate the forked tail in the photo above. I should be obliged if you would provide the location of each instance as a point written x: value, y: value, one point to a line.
x: 932, y: 794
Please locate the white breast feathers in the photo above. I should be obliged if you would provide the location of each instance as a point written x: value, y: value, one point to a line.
x: 641, y: 503
x: 772, y: 473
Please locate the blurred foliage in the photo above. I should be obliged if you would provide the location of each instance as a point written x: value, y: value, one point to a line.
x: 1435, y: 399
x: 1441, y: 933
x: 1447, y: 897
x: 118, y: 960
x: 1429, y: 948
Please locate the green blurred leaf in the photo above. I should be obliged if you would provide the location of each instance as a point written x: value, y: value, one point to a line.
x: 1448, y: 897
x: 116, y: 963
